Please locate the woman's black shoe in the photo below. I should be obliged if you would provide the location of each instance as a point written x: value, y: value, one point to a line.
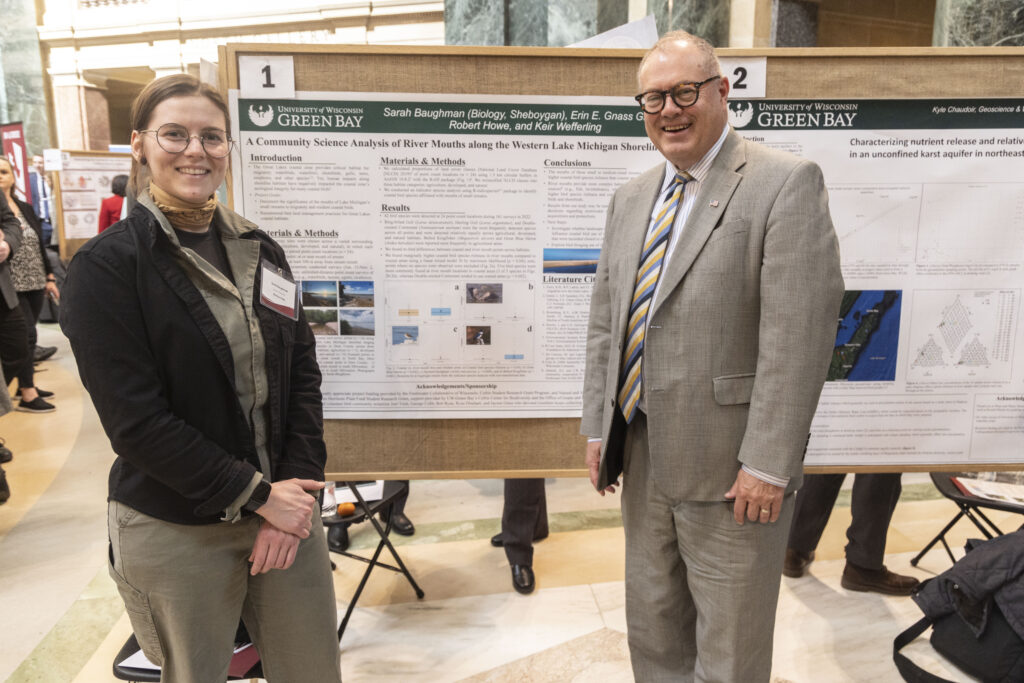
x: 5, y: 490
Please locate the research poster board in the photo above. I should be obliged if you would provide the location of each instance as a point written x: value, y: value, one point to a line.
x: 928, y: 204
x: 445, y: 244
x: 81, y: 185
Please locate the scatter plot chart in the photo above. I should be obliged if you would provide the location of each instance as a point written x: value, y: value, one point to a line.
x: 975, y: 222
x: 875, y: 223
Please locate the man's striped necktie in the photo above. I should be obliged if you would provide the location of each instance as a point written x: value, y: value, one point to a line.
x: 643, y: 293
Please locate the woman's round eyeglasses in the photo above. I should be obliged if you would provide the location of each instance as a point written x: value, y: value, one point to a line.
x: 174, y: 138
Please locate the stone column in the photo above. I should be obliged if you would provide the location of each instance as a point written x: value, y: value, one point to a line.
x: 981, y: 23
x: 83, y: 119
x: 24, y: 93
x: 530, y: 22
x: 708, y: 19
x: 796, y: 23
x: 474, y: 22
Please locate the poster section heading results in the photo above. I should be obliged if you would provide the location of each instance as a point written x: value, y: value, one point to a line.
x: 446, y: 245
x: 923, y: 193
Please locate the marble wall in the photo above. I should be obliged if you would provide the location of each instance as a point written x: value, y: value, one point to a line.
x: 708, y: 19
x: 22, y: 74
x: 570, y: 21
x: 796, y: 24
x: 474, y: 22
x: 553, y: 23
x: 964, y: 23
x: 528, y: 21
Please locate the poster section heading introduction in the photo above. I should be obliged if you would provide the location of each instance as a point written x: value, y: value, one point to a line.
x: 447, y: 270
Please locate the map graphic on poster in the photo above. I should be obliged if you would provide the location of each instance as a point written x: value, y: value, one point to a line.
x: 868, y: 337
x: 447, y: 245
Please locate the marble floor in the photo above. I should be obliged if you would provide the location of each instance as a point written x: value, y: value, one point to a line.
x: 63, y: 620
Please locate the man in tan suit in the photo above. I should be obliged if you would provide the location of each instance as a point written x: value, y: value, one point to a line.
x: 711, y: 328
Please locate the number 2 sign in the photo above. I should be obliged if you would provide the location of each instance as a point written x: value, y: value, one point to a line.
x: 746, y: 76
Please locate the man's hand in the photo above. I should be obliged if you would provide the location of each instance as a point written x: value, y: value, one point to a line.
x: 5, y: 250
x: 593, y: 461
x: 290, y: 507
x: 273, y: 549
x: 756, y: 500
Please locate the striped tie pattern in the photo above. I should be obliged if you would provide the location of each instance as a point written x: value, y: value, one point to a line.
x: 651, y: 259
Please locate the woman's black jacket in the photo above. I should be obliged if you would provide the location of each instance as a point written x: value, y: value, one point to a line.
x: 159, y: 370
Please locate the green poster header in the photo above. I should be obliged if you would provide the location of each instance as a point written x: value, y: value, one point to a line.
x: 598, y: 120
x: 949, y: 114
x: 461, y: 118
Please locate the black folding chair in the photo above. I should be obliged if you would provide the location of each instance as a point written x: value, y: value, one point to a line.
x: 970, y: 507
x: 366, y: 511
x: 139, y: 675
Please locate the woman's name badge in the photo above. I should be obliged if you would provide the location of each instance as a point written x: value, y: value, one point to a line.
x: 278, y: 291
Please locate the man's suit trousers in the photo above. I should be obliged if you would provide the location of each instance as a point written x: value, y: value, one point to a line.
x: 701, y: 590
x: 524, y: 518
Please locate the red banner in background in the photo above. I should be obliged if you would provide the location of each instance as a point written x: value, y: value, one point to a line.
x: 16, y: 152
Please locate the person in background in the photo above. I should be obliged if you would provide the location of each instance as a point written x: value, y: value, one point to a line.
x: 42, y: 198
x: 9, y: 341
x: 110, y: 207
x: 337, y: 534
x: 524, y: 519
x: 33, y: 280
x: 194, y: 348
x: 14, y: 352
x: 5, y: 453
x: 712, y: 324
x: 872, y: 502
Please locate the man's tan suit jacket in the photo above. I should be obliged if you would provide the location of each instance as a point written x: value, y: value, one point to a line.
x: 741, y: 334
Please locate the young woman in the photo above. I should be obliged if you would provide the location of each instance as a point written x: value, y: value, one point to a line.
x: 33, y: 279
x: 211, y: 398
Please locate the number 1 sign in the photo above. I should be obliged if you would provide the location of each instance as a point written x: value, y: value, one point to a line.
x: 266, y: 77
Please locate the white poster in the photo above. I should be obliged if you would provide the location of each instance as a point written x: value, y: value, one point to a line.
x: 84, y: 184
x: 927, y: 197
x: 446, y: 244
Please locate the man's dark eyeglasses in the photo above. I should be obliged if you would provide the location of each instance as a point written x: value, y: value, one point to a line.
x: 684, y: 94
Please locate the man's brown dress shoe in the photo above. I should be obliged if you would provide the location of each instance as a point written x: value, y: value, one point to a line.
x: 877, y: 580
x: 796, y: 563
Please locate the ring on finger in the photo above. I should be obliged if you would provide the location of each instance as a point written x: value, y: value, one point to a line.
x: 766, y: 511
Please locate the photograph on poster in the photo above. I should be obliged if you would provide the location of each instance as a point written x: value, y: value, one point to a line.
x: 483, y: 293
x: 323, y: 321
x: 571, y: 260
x: 404, y: 334
x: 355, y: 293
x: 356, y: 322
x: 319, y: 293
x: 478, y: 335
